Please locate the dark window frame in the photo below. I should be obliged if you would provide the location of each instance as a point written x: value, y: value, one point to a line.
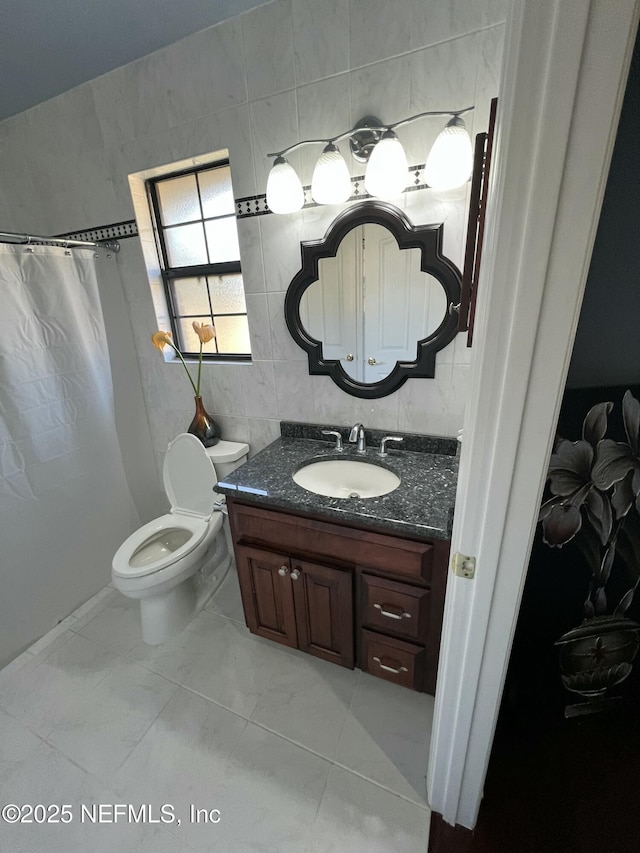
x: 170, y: 274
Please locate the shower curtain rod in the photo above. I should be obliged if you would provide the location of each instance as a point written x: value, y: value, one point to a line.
x: 28, y: 239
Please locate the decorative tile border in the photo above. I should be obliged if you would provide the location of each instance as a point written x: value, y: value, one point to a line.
x: 254, y: 205
x: 117, y: 231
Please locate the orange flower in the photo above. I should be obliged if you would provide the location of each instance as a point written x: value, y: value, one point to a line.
x: 161, y: 339
x: 204, y: 332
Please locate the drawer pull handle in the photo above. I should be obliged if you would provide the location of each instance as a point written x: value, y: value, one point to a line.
x: 283, y: 571
x: 384, y: 611
x: 390, y: 668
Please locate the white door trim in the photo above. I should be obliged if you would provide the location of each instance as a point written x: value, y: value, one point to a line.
x: 563, y: 79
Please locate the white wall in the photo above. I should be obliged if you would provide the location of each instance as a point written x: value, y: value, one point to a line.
x: 289, y: 70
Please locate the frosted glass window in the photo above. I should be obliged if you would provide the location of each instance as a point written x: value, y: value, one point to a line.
x: 190, y: 341
x: 222, y: 240
x: 178, y: 199
x: 185, y: 245
x: 216, y: 192
x: 195, y: 216
x: 190, y: 296
x: 233, y: 335
x: 227, y: 294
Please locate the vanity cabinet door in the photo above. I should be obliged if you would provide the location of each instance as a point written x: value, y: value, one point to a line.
x: 267, y: 594
x: 324, y: 611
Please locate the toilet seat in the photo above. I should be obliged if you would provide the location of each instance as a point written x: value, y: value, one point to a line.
x: 197, y: 527
x: 189, y: 478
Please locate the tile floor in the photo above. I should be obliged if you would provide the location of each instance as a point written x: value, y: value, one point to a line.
x: 297, y: 755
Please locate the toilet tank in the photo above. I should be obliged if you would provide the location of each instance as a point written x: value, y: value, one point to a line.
x: 227, y: 456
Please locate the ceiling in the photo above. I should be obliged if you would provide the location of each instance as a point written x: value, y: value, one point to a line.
x: 50, y: 46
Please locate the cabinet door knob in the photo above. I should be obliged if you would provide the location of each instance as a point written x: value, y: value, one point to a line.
x: 283, y: 571
x: 386, y: 611
x: 390, y: 668
x: 371, y: 360
x: 295, y: 574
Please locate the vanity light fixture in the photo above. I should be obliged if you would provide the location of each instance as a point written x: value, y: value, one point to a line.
x: 448, y: 166
x: 387, y: 172
x: 284, y: 190
x: 331, y: 181
x: 450, y: 160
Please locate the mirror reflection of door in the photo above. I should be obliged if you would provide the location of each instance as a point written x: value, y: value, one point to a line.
x: 329, y: 309
x: 372, y: 303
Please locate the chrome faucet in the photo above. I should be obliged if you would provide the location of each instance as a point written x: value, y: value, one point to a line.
x: 357, y: 434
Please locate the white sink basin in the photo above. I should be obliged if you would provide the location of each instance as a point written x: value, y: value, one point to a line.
x: 337, y: 478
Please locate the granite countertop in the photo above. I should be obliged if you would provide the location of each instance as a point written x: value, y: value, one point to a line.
x: 421, y: 506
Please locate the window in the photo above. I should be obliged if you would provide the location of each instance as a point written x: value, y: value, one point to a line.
x: 197, y: 239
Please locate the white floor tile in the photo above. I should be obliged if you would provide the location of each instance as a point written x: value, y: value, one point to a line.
x: 119, y: 728
x: 227, y: 600
x: 93, y: 606
x: 176, y: 658
x: 359, y: 817
x: 267, y: 798
x: 307, y: 701
x: 183, y: 755
x: 114, y: 623
x: 386, y: 737
x: 49, y: 778
x: 108, y: 721
x: 17, y: 743
x: 237, y: 668
x: 45, y: 693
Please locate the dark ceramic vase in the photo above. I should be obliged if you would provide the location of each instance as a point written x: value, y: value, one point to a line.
x: 203, y: 426
x: 598, y: 654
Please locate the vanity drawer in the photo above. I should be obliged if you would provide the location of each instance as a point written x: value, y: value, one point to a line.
x: 396, y: 661
x: 395, y: 607
x: 302, y: 535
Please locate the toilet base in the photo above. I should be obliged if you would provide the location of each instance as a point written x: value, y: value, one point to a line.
x: 164, y: 615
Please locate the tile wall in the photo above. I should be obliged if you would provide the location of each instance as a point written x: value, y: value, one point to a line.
x: 288, y: 70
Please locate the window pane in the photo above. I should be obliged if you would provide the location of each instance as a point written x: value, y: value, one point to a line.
x: 185, y: 245
x: 178, y: 198
x: 222, y: 239
x: 190, y: 295
x: 227, y: 294
x: 190, y: 341
x: 216, y: 192
x: 233, y: 335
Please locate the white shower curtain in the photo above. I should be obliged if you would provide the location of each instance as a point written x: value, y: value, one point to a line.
x: 64, y: 502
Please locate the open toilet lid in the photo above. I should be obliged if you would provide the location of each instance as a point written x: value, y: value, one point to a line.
x: 189, y: 477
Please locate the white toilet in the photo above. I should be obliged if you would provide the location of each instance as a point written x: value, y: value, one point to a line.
x: 175, y: 563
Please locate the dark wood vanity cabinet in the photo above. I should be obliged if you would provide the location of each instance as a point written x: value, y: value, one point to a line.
x: 298, y: 603
x: 348, y: 595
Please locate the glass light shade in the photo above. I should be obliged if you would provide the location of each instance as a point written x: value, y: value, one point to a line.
x: 331, y: 182
x: 284, y: 190
x: 450, y: 161
x: 387, y: 172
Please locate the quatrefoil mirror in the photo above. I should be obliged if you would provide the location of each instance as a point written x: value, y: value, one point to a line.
x: 371, y: 303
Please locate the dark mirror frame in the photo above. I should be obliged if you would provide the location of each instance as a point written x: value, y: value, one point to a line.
x: 427, y: 238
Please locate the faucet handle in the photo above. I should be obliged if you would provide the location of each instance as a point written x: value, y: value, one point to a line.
x: 337, y: 435
x: 383, y: 443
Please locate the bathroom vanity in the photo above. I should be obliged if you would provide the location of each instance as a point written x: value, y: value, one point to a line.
x: 359, y: 582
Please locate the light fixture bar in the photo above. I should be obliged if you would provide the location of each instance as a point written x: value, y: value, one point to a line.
x: 381, y: 129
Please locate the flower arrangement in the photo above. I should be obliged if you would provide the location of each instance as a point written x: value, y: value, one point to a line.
x: 205, y: 334
x: 597, y: 480
x: 595, y: 488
